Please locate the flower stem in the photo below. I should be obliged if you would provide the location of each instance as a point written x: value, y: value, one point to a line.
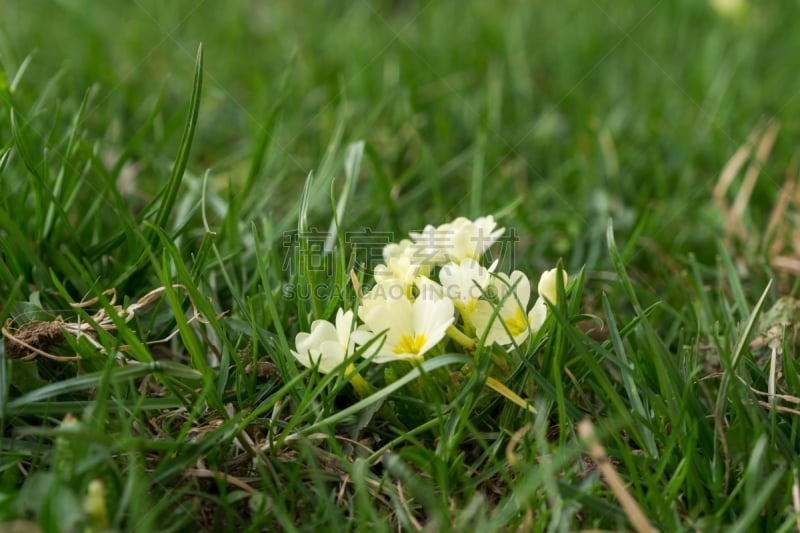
x: 461, y: 338
x: 364, y: 389
x: 361, y: 385
x: 501, y: 389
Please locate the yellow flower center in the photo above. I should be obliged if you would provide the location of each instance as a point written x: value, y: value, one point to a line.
x: 518, y: 323
x: 410, y: 344
x: 466, y: 309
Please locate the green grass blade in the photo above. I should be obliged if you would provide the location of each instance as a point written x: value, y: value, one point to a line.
x: 169, y: 193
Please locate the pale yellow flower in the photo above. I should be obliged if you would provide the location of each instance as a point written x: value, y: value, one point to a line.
x: 410, y: 329
x: 404, y: 262
x: 327, y: 345
x: 389, y: 289
x: 457, y: 240
x: 513, y: 323
x: 465, y: 284
x: 547, y: 290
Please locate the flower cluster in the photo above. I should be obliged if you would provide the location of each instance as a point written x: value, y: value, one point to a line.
x: 431, y: 288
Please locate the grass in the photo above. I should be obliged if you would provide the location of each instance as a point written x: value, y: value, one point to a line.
x: 132, y: 158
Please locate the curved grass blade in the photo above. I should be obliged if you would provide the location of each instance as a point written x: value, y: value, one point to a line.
x: 92, y: 380
x: 427, y: 366
x: 170, y: 192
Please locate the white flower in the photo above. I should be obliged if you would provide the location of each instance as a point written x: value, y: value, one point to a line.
x: 327, y: 345
x: 512, y: 323
x: 404, y: 248
x: 396, y: 249
x: 547, y: 290
x: 402, y: 262
x: 511, y: 316
x: 398, y: 268
x: 465, y: 283
x: 430, y: 244
x: 547, y: 284
x: 390, y: 289
x: 412, y: 328
x: 457, y: 240
x: 472, y: 238
x: 428, y: 289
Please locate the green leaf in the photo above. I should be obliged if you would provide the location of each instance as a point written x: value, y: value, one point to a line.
x: 90, y: 381
x: 170, y: 192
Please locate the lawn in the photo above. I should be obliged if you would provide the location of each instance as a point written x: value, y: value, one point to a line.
x: 187, y: 188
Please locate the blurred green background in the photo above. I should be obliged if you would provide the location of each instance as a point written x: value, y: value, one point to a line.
x: 557, y: 115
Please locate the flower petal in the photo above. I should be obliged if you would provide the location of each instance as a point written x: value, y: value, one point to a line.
x: 321, y: 330
x: 537, y: 315
x: 432, y: 318
x: 547, y: 284
x: 522, y: 288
